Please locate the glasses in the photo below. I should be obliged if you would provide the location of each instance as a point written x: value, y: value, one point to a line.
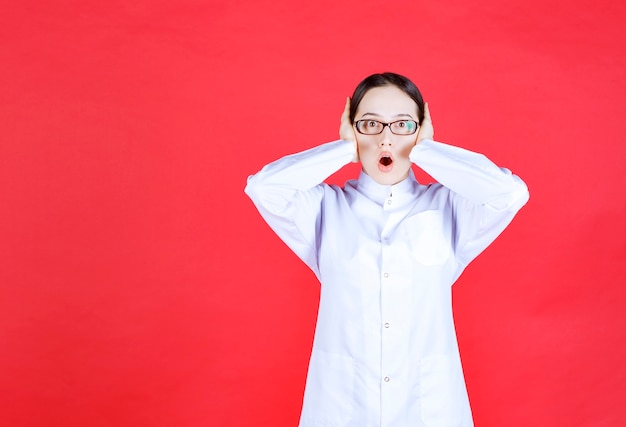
x: 374, y: 127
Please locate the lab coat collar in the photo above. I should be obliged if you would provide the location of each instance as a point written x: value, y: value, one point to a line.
x: 402, y: 191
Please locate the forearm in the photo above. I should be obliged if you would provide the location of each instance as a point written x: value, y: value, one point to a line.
x: 278, y: 181
x: 470, y: 174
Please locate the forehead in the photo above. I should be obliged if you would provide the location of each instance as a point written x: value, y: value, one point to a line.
x: 387, y: 101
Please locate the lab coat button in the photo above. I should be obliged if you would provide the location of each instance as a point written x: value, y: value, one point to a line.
x: 386, y: 275
x: 389, y: 201
x: 387, y: 325
x: 386, y: 379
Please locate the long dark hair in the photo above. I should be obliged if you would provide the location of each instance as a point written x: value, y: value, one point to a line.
x: 387, y: 79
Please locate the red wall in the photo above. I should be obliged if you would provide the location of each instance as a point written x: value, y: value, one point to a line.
x: 138, y: 285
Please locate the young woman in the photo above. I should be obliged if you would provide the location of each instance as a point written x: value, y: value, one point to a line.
x: 386, y: 250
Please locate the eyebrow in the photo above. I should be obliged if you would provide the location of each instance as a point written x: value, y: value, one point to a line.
x: 397, y: 115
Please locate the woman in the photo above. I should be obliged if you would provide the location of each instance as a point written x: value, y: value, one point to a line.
x: 386, y: 250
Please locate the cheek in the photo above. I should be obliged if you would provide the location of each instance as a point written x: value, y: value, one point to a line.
x: 406, y: 148
x: 365, y: 146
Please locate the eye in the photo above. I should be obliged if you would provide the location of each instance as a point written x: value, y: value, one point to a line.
x: 369, y: 127
x: 404, y: 127
x: 410, y: 125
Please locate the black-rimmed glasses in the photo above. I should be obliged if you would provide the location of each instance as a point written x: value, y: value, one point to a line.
x: 374, y: 127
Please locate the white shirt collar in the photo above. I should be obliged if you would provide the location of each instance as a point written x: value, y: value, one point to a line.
x: 378, y: 193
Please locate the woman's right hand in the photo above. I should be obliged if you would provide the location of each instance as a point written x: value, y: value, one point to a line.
x: 346, y: 130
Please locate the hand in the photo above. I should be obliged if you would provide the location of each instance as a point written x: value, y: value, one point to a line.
x: 346, y: 130
x: 426, y: 128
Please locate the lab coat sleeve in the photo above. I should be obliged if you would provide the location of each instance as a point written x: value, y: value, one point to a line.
x: 289, y: 194
x: 484, y: 198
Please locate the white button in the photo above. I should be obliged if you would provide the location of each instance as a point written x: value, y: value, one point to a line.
x: 386, y: 325
x: 388, y: 202
x: 386, y: 379
x: 386, y: 274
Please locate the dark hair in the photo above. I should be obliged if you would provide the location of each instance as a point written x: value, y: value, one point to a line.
x: 387, y: 79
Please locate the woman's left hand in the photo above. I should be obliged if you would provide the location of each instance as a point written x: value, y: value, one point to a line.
x: 426, y: 127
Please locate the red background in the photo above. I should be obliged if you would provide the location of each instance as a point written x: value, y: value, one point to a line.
x: 138, y: 285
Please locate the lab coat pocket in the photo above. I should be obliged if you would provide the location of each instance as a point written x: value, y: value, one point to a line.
x: 426, y: 234
x: 328, y: 399
x: 443, y: 396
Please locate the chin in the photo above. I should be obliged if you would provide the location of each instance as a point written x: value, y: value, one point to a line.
x: 386, y: 178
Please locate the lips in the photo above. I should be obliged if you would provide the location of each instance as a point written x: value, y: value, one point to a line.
x: 385, y: 162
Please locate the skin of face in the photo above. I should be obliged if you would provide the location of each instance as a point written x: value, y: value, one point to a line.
x: 386, y: 104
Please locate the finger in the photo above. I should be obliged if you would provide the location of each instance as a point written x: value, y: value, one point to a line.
x: 346, y: 110
x: 426, y: 112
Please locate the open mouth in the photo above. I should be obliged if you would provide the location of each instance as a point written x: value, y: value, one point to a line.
x: 385, y: 160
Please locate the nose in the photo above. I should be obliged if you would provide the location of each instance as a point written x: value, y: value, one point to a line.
x: 385, y: 137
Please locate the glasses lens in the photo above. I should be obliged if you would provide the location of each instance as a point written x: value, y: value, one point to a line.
x: 403, y: 127
x: 369, y: 127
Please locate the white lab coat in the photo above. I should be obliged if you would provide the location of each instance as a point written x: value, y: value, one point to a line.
x: 385, y: 351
